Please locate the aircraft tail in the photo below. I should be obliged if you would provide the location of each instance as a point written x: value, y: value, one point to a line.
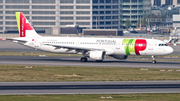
x: 24, y: 27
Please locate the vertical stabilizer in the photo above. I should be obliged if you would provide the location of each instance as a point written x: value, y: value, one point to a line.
x: 24, y: 27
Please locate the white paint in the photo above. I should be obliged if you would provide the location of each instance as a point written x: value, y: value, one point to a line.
x: 88, y: 46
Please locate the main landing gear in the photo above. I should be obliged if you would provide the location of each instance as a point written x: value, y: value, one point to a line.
x: 154, y: 59
x: 84, y: 59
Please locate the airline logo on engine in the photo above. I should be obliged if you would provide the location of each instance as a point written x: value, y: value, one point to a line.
x: 108, y: 42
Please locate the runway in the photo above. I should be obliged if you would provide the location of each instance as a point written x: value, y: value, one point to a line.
x: 122, y: 87
x: 75, y: 61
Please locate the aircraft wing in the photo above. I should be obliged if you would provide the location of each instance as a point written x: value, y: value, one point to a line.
x: 74, y: 47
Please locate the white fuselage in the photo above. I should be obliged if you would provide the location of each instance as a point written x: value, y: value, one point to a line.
x: 94, y: 48
x: 112, y: 46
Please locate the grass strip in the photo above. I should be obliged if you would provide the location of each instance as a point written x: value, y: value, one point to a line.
x: 22, y: 73
x: 93, y: 97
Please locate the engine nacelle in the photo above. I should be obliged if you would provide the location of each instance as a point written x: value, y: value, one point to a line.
x: 122, y: 57
x: 97, y: 55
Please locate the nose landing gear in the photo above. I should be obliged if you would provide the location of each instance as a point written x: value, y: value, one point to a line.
x: 154, y: 60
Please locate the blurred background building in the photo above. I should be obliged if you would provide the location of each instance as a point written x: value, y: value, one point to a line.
x: 164, y: 2
x: 47, y: 14
x: 135, y: 10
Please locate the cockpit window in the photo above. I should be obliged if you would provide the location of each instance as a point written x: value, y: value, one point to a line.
x: 163, y: 44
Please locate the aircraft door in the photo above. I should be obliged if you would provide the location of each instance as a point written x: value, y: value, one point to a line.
x: 151, y: 43
x: 36, y: 43
x: 77, y: 43
x: 118, y: 44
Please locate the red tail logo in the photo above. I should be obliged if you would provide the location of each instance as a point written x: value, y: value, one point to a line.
x: 24, y: 26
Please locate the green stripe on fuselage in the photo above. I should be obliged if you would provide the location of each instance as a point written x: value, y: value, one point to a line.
x: 18, y: 20
x: 129, y: 46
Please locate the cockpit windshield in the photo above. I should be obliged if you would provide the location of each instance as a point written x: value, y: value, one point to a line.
x: 163, y: 44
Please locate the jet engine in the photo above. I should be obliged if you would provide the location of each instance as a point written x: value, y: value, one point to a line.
x: 97, y: 55
x: 121, y: 57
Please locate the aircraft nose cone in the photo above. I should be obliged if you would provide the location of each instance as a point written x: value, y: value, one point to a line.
x: 170, y: 50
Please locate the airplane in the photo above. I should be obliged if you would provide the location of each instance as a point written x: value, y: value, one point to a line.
x: 93, y: 48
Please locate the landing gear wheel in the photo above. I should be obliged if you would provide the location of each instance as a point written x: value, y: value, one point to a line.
x: 98, y: 60
x: 154, y: 61
x: 83, y: 59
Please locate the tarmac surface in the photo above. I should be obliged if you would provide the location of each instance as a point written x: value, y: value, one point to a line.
x: 75, y: 61
x: 122, y: 87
